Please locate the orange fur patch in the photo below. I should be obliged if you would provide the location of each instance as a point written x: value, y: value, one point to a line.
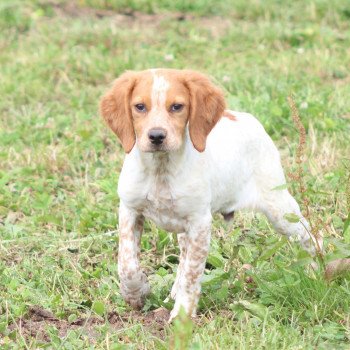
x: 229, y: 116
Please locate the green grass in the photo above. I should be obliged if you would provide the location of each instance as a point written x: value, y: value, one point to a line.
x: 59, y: 168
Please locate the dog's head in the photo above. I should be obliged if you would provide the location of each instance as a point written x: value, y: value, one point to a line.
x: 153, y: 108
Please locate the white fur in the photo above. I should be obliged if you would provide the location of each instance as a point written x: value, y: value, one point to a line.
x: 159, y: 88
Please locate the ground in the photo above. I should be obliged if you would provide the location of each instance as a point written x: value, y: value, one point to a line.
x: 59, y: 168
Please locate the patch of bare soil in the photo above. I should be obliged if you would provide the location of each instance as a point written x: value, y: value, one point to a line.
x: 73, y: 10
x: 35, y: 323
x: 215, y: 24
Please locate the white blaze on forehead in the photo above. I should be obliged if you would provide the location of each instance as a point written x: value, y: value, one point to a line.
x: 159, y: 88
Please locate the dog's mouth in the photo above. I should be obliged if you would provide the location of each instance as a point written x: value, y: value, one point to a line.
x: 157, y: 148
x: 163, y: 147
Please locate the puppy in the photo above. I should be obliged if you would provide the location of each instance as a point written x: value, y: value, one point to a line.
x: 187, y: 157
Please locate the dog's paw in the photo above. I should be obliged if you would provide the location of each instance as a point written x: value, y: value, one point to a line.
x: 136, y: 302
x: 136, y: 294
x: 188, y: 307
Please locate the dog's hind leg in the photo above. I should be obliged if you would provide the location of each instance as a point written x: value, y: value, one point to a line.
x: 275, y: 204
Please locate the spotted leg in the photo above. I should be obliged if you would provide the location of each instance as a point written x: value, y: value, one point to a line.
x: 182, y: 240
x: 134, y: 286
x: 189, y: 283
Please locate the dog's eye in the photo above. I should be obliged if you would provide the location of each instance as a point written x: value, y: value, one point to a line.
x: 140, y: 107
x: 176, y: 107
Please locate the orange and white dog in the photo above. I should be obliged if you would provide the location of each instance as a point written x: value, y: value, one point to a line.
x: 187, y: 158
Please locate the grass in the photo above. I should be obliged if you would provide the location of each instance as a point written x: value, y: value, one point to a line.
x: 59, y: 169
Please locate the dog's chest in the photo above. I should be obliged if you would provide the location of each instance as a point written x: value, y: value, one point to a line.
x: 169, y: 195
x: 163, y: 205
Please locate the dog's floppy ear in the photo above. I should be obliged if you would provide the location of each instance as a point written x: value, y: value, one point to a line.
x: 207, y: 104
x: 115, y: 109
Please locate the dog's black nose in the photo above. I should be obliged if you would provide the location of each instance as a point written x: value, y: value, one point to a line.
x: 157, y: 136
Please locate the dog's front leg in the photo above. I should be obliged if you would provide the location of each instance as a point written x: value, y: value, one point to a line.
x: 134, y: 286
x: 189, y: 284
